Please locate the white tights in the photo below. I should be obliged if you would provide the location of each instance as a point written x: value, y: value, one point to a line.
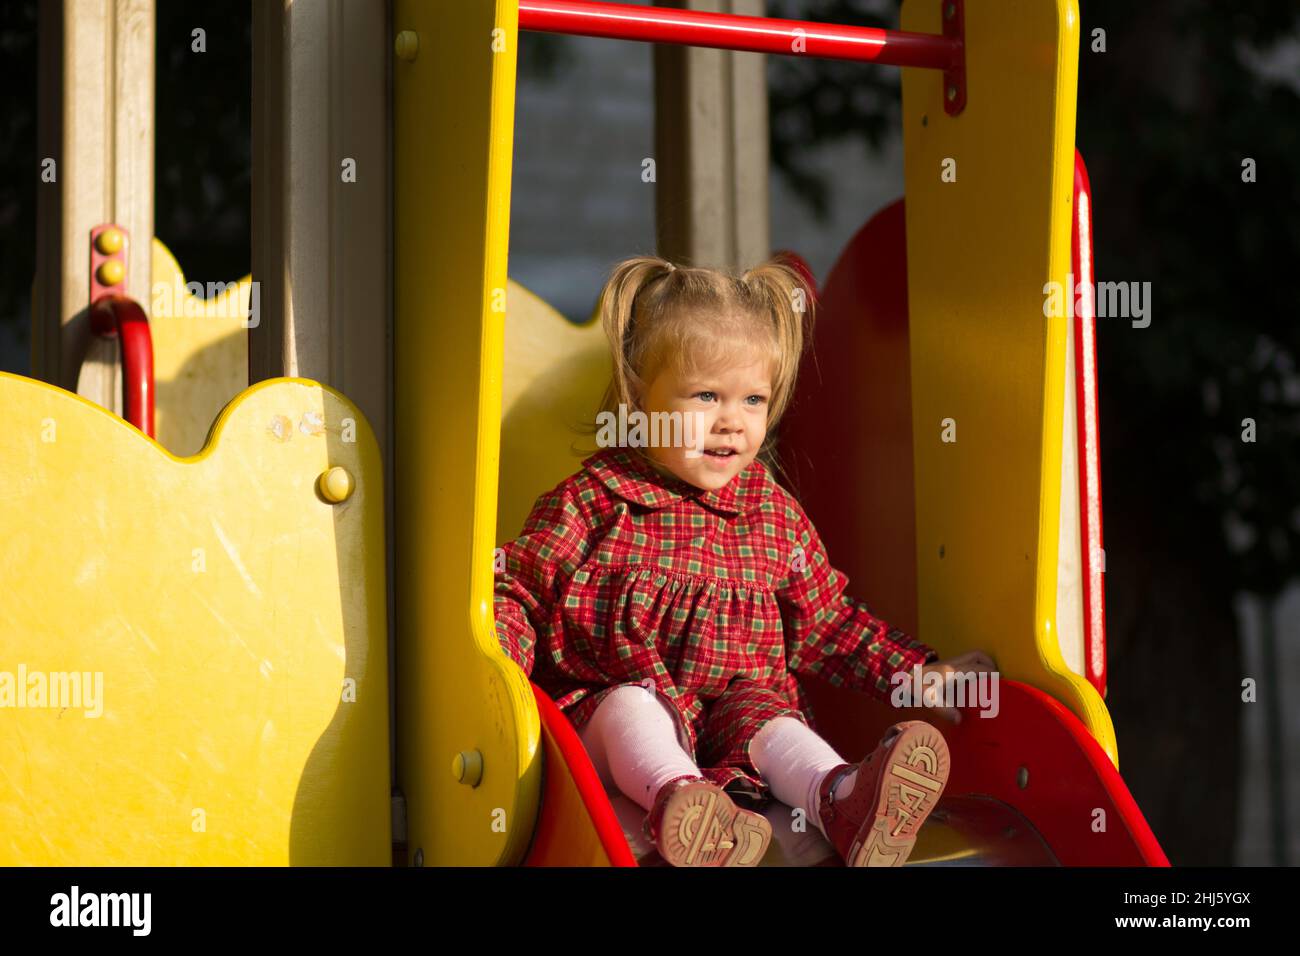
x: 637, y: 745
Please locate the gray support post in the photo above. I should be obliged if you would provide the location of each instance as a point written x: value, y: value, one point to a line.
x: 711, y: 149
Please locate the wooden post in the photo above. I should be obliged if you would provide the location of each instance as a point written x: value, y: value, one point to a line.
x: 96, y: 138
x: 322, y: 220
x: 321, y: 198
x: 711, y: 150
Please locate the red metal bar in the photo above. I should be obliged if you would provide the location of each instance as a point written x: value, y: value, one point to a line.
x: 122, y: 316
x: 729, y: 31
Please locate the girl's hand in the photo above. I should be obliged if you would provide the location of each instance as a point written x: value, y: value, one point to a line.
x: 972, y: 662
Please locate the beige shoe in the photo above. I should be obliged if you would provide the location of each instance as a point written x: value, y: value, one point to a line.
x: 896, y: 788
x: 695, y: 823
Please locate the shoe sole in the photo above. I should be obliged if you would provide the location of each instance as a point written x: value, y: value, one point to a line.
x: 908, y: 787
x: 702, y: 827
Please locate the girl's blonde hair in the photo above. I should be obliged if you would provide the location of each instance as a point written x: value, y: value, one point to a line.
x: 658, y: 315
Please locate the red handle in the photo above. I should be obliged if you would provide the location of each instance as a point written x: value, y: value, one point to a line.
x: 729, y: 31
x: 122, y: 316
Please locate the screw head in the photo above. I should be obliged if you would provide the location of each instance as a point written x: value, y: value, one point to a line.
x: 419, y: 857
x: 952, y: 93
x: 1022, y: 778
x: 110, y: 242
x: 407, y: 45
x: 467, y: 767
x: 110, y: 272
x: 336, y: 485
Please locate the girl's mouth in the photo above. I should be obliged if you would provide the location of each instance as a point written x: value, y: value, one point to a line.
x: 722, y: 452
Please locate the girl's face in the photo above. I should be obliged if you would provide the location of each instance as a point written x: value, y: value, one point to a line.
x: 730, y: 404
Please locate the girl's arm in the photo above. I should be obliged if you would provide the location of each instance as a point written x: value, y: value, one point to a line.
x: 537, y: 564
x: 829, y: 634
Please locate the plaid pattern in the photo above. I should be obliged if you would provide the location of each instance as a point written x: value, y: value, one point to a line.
x: 719, y: 598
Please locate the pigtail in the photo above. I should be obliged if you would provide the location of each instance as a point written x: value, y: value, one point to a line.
x: 783, y: 292
x: 618, y: 303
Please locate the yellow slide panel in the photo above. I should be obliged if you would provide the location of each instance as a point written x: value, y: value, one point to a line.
x: 468, y: 735
x: 555, y: 374
x: 200, y: 351
x: 988, y: 368
x: 194, y: 662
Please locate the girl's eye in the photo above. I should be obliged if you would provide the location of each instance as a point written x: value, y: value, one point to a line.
x: 704, y: 395
x: 757, y: 399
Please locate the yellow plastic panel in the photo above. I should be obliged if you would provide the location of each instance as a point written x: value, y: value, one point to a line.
x: 555, y: 374
x: 200, y: 352
x: 232, y: 621
x: 453, y: 122
x: 979, y: 253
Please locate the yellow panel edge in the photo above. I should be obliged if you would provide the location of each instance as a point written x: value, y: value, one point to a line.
x: 964, y: 283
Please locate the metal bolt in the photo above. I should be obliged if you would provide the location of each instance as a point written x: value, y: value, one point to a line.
x: 110, y: 242
x: 111, y: 272
x: 407, y: 45
x: 419, y: 857
x: 1022, y: 778
x: 467, y: 767
x: 952, y: 93
x: 336, y: 485
x: 949, y: 10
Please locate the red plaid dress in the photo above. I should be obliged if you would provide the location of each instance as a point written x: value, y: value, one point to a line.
x: 719, y: 598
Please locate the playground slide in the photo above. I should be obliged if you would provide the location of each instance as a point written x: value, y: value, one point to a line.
x: 966, y: 543
x: 1029, y: 787
x: 1031, y: 784
x: 1034, y: 782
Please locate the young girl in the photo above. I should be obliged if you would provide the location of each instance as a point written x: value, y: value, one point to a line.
x: 666, y: 599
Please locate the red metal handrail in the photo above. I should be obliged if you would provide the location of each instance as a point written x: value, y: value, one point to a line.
x: 121, y: 316
x: 729, y: 31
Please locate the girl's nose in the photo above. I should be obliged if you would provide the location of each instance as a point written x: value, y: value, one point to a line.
x: 728, y: 421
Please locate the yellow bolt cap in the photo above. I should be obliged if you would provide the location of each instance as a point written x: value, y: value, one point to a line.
x: 110, y: 242
x: 407, y: 46
x: 467, y: 767
x: 336, y: 485
x: 111, y: 272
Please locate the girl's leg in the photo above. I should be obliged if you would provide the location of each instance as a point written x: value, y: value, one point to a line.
x: 633, y: 742
x: 794, y: 760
